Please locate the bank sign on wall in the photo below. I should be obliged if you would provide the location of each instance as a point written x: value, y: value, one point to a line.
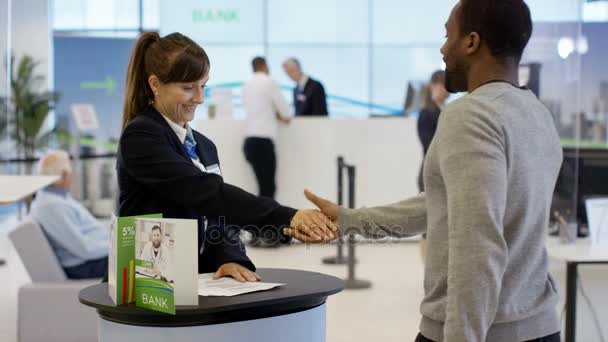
x: 215, y: 21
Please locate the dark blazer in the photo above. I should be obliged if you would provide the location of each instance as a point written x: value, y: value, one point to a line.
x: 427, y: 125
x: 156, y: 175
x: 312, y: 100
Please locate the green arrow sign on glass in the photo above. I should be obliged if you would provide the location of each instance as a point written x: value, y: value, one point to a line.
x: 109, y: 85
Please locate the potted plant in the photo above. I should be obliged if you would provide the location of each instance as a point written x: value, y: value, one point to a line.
x: 24, y: 113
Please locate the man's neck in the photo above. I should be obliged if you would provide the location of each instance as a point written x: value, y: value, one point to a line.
x: 303, y: 79
x: 481, y: 74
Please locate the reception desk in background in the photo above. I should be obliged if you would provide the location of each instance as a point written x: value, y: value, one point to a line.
x: 386, y: 152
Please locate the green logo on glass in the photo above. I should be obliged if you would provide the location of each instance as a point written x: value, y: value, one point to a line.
x: 210, y: 16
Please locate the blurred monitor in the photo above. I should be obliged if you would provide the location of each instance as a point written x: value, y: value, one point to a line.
x: 592, y: 166
x: 529, y: 77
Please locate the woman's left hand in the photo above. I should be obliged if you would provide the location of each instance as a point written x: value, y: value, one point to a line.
x: 237, y: 272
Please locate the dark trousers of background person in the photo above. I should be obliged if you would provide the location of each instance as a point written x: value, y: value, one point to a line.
x: 97, y: 268
x: 259, y: 152
x: 551, y: 338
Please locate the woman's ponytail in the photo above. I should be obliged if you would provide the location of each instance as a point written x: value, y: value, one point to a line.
x: 138, y: 93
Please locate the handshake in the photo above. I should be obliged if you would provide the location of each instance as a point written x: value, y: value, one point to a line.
x: 315, y: 225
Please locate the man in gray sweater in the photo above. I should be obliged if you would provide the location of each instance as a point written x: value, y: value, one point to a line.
x: 489, y: 176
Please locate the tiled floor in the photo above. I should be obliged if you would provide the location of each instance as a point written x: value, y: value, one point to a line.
x: 386, y: 312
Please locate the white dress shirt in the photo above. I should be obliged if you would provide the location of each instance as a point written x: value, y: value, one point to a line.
x: 262, y: 99
x: 159, y: 257
x: 181, y: 135
x: 302, y: 82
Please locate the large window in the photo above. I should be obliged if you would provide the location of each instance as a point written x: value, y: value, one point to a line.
x: 365, y: 52
x: 90, y: 16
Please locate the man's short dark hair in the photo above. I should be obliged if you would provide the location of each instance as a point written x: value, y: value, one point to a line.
x: 157, y: 227
x: 505, y: 26
x: 258, y: 63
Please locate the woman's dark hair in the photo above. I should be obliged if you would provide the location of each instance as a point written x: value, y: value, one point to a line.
x: 173, y: 58
x: 438, y: 77
x: 504, y: 25
x: 426, y: 93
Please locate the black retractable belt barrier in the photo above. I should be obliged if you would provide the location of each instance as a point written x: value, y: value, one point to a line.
x: 339, y: 259
x: 353, y: 283
x: 350, y: 282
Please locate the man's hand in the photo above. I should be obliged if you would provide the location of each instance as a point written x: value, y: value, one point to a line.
x: 311, y: 226
x: 330, y: 209
x: 237, y: 272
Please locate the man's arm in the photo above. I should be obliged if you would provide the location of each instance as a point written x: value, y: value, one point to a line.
x: 405, y: 218
x: 474, y: 168
x: 280, y: 104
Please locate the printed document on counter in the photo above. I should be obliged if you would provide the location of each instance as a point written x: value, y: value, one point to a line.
x: 229, y: 287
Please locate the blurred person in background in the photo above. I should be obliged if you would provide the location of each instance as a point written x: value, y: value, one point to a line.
x: 78, y: 239
x: 309, y: 95
x: 266, y: 109
x: 434, y: 97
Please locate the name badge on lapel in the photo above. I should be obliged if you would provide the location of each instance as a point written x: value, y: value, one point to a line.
x: 301, y: 97
x: 215, y: 168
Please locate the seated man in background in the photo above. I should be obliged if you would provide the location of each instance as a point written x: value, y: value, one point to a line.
x: 78, y: 239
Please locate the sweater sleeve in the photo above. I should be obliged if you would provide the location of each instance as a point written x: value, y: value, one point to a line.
x: 472, y: 159
x: 399, y: 219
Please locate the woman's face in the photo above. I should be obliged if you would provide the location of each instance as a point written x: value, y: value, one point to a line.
x: 178, y: 100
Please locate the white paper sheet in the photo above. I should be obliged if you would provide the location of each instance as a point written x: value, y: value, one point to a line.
x: 229, y: 287
x: 597, y: 217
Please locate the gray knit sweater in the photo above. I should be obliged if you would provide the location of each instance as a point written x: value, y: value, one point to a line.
x: 489, y: 177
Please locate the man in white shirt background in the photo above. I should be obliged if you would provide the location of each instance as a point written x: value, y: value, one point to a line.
x: 266, y: 108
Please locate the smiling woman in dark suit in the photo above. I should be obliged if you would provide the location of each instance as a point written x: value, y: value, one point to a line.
x: 164, y: 166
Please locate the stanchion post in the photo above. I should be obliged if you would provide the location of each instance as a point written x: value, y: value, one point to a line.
x: 339, y: 259
x: 351, y: 281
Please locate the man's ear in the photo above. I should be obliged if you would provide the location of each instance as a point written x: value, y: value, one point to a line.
x: 473, y: 42
x: 64, y: 177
